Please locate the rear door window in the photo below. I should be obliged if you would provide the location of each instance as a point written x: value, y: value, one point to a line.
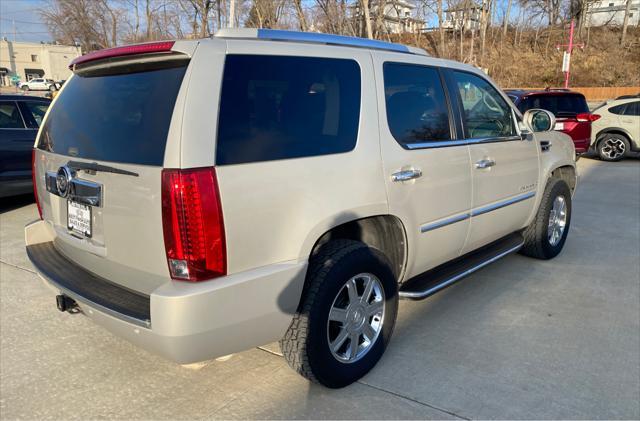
x: 121, y: 117
x: 563, y: 105
x: 10, y: 116
x: 277, y: 107
x: 417, y: 109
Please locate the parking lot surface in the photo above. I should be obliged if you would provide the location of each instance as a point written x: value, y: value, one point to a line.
x: 519, y: 339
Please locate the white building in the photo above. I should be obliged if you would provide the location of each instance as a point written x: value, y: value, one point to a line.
x: 27, y: 60
x: 465, y: 15
x: 398, y: 16
x: 611, y: 12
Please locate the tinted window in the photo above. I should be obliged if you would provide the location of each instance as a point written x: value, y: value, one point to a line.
x: 10, y: 116
x: 618, y: 109
x: 564, y: 105
x: 486, y: 113
x: 117, y: 117
x: 275, y: 107
x: 33, y: 112
x: 633, y: 108
x: 416, y: 105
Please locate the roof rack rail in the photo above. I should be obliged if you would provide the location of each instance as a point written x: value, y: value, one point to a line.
x: 316, y: 38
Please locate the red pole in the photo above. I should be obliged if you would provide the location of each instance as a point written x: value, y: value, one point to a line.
x: 569, y: 51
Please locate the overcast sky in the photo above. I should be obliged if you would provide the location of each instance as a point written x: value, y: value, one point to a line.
x: 28, y: 25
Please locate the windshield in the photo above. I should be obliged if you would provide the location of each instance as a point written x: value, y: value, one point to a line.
x: 118, y: 117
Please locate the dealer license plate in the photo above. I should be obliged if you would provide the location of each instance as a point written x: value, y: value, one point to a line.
x: 79, y: 218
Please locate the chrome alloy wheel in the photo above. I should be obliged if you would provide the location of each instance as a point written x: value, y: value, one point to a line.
x: 557, y: 220
x: 355, y: 318
x: 613, y: 148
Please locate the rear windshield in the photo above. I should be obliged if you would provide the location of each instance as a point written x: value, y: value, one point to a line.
x: 560, y: 105
x: 118, y: 117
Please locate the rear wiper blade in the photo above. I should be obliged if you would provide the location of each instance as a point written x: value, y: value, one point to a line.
x: 95, y: 167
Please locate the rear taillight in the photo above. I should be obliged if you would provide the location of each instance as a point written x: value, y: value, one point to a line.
x: 582, y: 117
x: 192, y: 222
x: 33, y: 179
x: 127, y: 50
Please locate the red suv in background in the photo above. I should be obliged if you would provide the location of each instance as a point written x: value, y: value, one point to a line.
x: 570, y: 108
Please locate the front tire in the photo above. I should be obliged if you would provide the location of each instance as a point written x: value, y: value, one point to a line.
x: 545, y: 237
x: 25, y: 88
x: 346, y: 315
x: 612, y: 147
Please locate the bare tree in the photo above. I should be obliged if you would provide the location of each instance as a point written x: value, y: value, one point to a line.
x: 367, y: 18
x: 505, y: 22
x: 441, y: 29
x: 625, y: 22
x: 302, y: 21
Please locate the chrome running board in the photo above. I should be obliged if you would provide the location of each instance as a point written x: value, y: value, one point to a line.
x: 439, y: 278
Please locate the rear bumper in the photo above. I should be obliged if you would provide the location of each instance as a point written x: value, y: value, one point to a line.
x: 187, y: 322
x: 582, y: 145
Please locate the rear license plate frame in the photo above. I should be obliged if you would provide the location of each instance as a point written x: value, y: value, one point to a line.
x: 77, y: 220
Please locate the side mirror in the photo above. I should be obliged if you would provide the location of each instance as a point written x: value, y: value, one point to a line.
x: 539, y: 120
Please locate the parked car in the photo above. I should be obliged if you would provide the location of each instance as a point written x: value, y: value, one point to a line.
x: 20, y: 117
x: 38, y: 84
x: 570, y: 108
x: 200, y: 198
x: 618, y: 131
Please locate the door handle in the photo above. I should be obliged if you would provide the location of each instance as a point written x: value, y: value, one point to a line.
x: 406, y: 175
x: 485, y: 163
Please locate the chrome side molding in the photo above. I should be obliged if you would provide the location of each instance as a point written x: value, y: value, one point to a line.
x: 475, y: 212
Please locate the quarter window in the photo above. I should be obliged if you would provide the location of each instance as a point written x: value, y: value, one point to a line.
x: 486, y: 113
x: 276, y: 107
x: 10, y: 116
x: 416, y: 105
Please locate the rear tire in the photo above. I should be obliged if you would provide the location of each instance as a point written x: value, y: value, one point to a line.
x: 25, y: 88
x: 545, y: 237
x: 612, y: 147
x: 318, y: 343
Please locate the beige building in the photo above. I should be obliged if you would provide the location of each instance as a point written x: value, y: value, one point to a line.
x: 27, y: 60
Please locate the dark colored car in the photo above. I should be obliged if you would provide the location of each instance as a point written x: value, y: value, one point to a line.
x: 570, y: 108
x: 20, y: 118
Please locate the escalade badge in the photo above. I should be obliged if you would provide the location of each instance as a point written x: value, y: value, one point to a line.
x: 63, y: 181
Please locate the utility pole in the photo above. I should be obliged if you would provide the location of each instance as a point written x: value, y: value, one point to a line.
x: 566, y: 59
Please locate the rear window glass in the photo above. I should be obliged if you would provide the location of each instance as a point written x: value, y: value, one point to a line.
x: 119, y: 117
x: 275, y: 107
x: 560, y: 105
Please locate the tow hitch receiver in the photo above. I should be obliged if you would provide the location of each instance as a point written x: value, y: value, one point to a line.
x: 65, y: 303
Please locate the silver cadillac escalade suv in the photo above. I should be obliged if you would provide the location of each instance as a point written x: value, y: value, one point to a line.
x: 203, y: 197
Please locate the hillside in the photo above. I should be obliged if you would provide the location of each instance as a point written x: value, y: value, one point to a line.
x: 529, y: 58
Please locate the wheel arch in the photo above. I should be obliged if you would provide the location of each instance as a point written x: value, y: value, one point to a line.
x: 567, y: 173
x: 384, y: 232
x: 613, y: 130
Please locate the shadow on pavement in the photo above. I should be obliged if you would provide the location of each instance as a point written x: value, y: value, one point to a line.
x: 10, y: 203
